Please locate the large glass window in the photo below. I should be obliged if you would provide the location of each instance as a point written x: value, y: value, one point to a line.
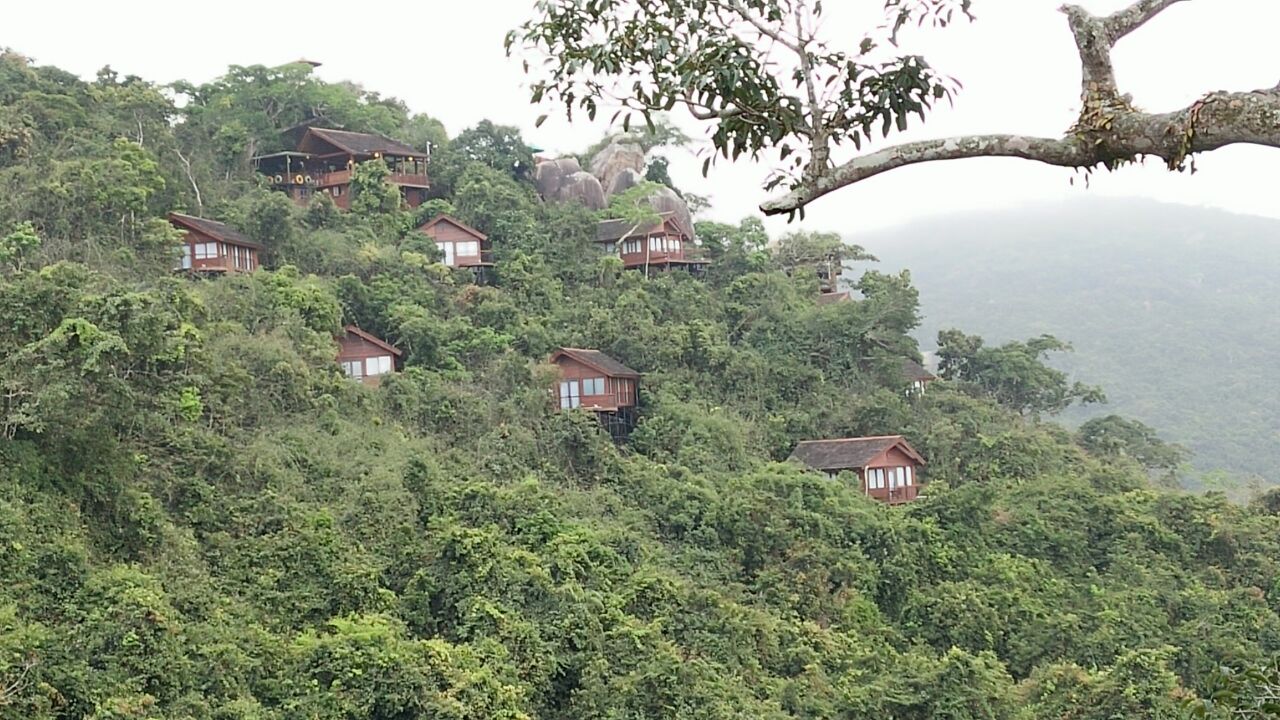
x: 447, y: 249
x: 470, y: 248
x: 206, y: 251
x: 380, y: 365
x: 569, y: 395
x: 354, y: 368
x: 593, y: 386
x: 186, y: 257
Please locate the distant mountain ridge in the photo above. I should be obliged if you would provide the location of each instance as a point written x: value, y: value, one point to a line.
x: 1174, y: 310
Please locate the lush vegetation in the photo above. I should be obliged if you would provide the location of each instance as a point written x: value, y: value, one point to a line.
x: 201, y: 518
x: 1167, y: 307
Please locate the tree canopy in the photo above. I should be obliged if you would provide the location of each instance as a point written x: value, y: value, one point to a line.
x: 201, y: 517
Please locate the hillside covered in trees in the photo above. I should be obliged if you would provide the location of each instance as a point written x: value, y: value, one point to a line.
x: 201, y: 517
x: 1169, y: 308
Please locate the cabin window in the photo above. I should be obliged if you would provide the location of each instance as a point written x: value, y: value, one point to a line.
x: 354, y: 368
x: 206, y: 251
x: 186, y: 257
x: 447, y: 248
x: 611, y: 248
x: 876, y: 479
x: 675, y: 244
x: 630, y: 247
x: 470, y: 248
x: 380, y: 365
x: 593, y: 386
x: 910, y: 477
x: 337, y: 190
x: 569, y: 395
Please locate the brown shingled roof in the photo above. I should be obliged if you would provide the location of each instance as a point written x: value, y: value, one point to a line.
x: 353, y: 330
x: 597, y: 360
x: 212, y: 228
x: 913, y: 371
x: 363, y: 143
x: 849, y: 453
x: 447, y: 218
x: 608, y: 230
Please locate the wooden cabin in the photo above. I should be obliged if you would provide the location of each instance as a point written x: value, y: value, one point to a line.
x: 593, y: 381
x: 212, y: 247
x: 662, y: 245
x: 365, y: 357
x: 324, y: 159
x: 462, y: 245
x: 915, y: 374
x: 888, y: 468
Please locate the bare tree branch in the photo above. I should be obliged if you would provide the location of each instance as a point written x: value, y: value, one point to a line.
x: 1217, y: 120
x: 191, y: 178
x: 1048, y: 150
x: 1110, y: 131
x: 763, y: 28
x: 1125, y: 21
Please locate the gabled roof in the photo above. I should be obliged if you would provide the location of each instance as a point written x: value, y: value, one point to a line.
x: 597, y: 360
x: 353, y: 330
x: 608, y: 230
x: 446, y: 218
x: 850, y: 453
x: 828, y: 298
x: 914, y: 371
x: 212, y: 228
x: 362, y: 143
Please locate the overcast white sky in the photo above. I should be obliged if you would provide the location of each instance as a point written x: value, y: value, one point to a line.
x: 445, y: 58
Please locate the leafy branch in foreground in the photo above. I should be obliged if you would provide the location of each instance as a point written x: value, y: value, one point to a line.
x: 762, y: 70
x: 763, y: 74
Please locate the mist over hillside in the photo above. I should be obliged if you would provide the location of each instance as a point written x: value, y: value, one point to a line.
x: 1172, y: 309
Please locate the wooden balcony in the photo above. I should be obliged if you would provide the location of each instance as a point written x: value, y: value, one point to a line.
x: 898, y: 495
x: 408, y: 180
x: 484, y: 259
x: 343, y: 177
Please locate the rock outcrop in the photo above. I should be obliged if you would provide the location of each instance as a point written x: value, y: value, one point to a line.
x: 665, y: 199
x: 614, y: 170
x: 564, y: 179
x: 549, y: 175
x: 623, y: 182
x: 615, y: 159
x: 585, y: 188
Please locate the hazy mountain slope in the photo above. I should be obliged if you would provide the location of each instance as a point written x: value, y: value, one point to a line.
x: 1174, y: 310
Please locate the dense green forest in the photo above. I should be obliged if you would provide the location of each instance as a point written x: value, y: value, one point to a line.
x: 200, y: 517
x: 1170, y: 308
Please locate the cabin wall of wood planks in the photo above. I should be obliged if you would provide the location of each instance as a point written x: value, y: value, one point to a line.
x: 619, y: 392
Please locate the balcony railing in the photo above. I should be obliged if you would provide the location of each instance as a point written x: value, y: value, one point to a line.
x: 343, y: 177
